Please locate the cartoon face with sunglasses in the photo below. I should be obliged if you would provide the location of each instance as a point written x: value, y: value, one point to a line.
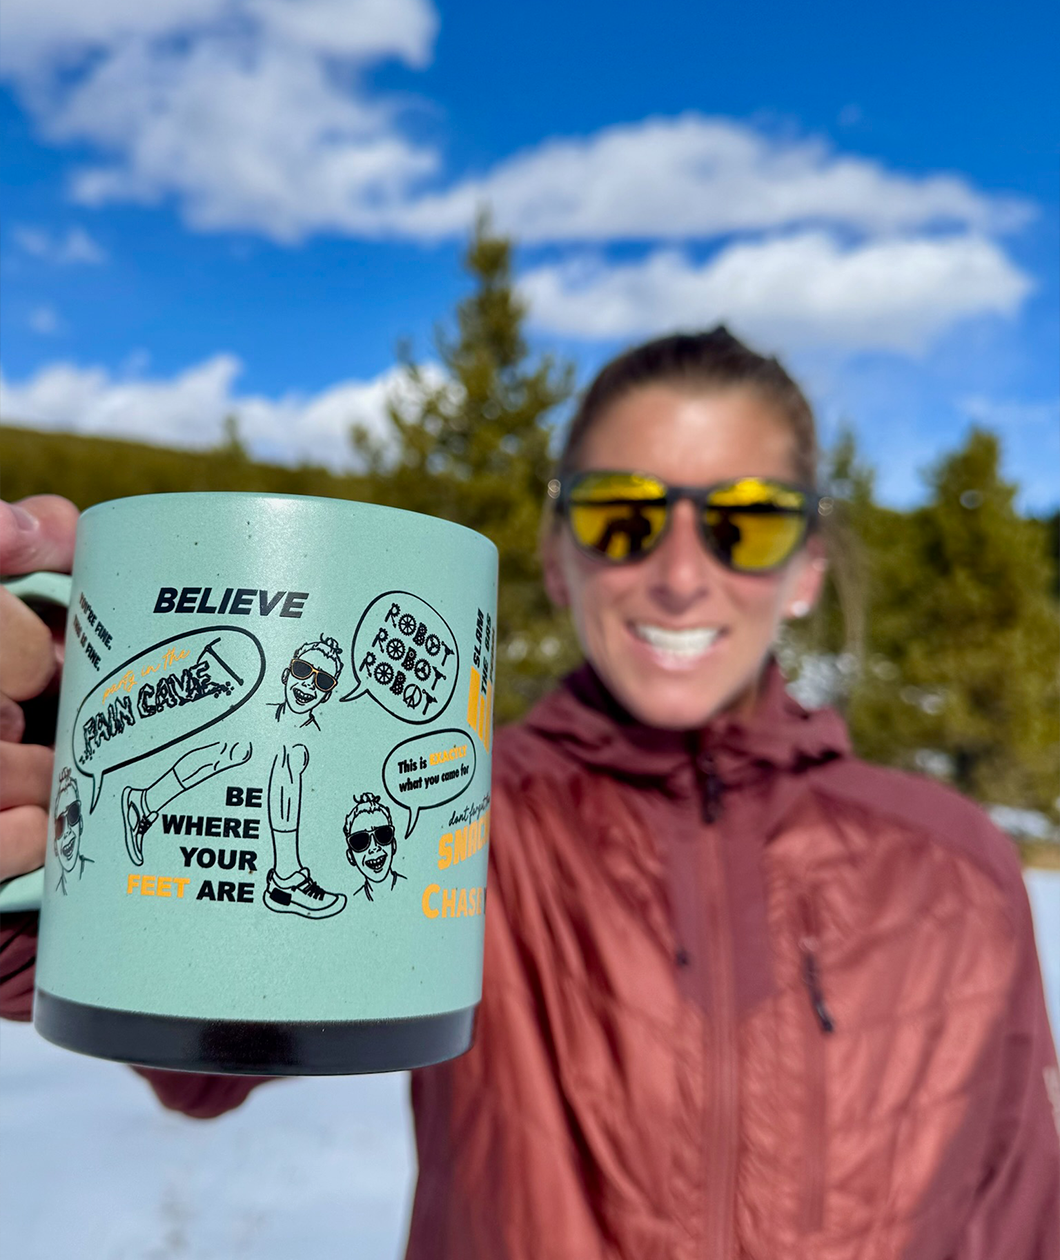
x: 68, y: 825
x: 309, y: 680
x: 371, y: 844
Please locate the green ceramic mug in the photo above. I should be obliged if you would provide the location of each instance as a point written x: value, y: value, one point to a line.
x: 270, y: 808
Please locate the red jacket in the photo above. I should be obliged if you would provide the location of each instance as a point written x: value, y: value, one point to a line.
x: 744, y: 996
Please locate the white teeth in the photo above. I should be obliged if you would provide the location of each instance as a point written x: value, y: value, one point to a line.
x: 685, y: 643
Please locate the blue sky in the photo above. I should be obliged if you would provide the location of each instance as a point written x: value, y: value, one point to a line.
x: 244, y: 205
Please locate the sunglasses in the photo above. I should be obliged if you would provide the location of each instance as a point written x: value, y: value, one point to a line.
x: 69, y: 817
x: 359, y: 841
x: 322, y: 680
x: 750, y: 524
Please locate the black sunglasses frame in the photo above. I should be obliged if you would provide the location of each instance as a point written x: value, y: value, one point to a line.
x: 370, y: 833
x: 314, y: 671
x: 562, y: 492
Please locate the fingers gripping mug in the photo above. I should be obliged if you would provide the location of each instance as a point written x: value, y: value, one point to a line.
x: 271, y: 799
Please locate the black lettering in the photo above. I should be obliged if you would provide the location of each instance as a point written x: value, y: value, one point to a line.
x: 226, y: 891
x: 173, y: 825
x: 207, y: 857
x: 266, y: 605
x: 193, y: 824
x: 246, y: 891
x: 381, y: 637
x: 204, y: 606
x: 395, y: 649
x: 368, y: 663
x: 248, y: 859
x: 206, y: 892
x: 213, y: 827
x: 433, y: 645
x: 229, y: 854
x: 407, y: 624
x: 241, y: 603
x: 253, y: 800
x: 448, y: 652
x: 234, y: 796
x: 231, y: 829
x: 421, y: 634
x: 167, y: 597
x: 292, y: 607
x: 188, y: 854
x: 398, y: 685
x: 393, y: 613
x: 188, y: 596
x: 251, y: 828
x: 223, y: 606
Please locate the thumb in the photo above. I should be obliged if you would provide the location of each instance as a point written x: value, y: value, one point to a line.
x: 37, y: 533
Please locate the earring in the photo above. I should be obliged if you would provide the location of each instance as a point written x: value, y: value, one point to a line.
x: 800, y: 608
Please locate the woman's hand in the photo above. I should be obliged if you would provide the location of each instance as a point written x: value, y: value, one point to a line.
x: 37, y: 533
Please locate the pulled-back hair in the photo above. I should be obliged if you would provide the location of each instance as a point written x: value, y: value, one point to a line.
x: 714, y: 362
x: 706, y: 362
x: 326, y: 647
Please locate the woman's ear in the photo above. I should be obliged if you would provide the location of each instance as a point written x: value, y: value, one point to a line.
x: 552, y: 568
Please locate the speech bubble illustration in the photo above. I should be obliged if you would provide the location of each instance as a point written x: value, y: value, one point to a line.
x: 429, y: 770
x: 405, y: 657
x: 168, y: 692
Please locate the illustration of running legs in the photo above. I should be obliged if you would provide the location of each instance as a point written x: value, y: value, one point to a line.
x: 141, y: 806
x: 289, y: 887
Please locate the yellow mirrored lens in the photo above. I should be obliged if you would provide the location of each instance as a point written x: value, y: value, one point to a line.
x: 753, y: 540
x: 617, y: 530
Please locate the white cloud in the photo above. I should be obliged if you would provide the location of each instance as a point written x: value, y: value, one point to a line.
x: 791, y: 292
x: 189, y: 409
x: 1010, y: 413
x: 265, y: 141
x: 694, y: 177
x: 39, y: 34
x: 255, y: 114
x: 77, y: 246
x: 45, y: 321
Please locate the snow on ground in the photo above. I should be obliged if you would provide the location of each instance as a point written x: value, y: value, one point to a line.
x: 91, y: 1168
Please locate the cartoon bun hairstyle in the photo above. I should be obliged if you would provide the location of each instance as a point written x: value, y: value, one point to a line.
x: 66, y: 782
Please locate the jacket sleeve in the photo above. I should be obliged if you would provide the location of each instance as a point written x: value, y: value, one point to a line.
x: 1016, y: 1213
x: 193, y: 1093
x: 499, y: 1172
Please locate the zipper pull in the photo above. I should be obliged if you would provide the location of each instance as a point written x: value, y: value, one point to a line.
x: 813, y: 982
x: 810, y: 972
x: 710, y: 788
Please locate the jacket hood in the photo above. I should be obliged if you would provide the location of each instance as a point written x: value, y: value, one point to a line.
x: 587, y: 723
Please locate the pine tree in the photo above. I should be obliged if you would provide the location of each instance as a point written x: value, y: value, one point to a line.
x: 470, y: 442
x: 967, y: 634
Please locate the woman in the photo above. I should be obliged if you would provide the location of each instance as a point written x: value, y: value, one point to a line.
x: 744, y: 995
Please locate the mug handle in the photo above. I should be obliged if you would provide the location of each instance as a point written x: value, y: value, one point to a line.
x: 24, y: 892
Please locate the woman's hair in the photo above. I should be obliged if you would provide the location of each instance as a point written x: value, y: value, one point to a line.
x: 712, y: 362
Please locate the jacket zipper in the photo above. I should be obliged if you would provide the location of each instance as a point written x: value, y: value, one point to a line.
x: 815, y: 1025
x: 721, y: 1041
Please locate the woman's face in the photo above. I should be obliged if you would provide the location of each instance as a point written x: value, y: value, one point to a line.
x: 619, y: 610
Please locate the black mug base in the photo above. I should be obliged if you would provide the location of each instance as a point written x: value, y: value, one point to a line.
x: 246, y: 1048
